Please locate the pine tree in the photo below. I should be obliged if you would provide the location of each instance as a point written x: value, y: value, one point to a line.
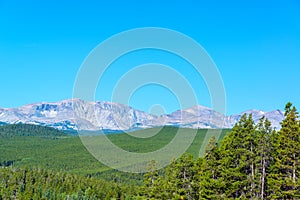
x: 264, y: 133
x: 211, y: 183
x: 284, y: 177
x: 237, y: 153
x: 212, y: 144
x: 180, y: 178
x: 153, y: 184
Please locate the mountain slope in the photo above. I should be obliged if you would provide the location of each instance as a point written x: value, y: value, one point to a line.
x: 76, y: 114
x: 29, y: 130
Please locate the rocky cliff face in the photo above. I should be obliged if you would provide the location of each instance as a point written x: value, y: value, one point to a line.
x: 77, y: 114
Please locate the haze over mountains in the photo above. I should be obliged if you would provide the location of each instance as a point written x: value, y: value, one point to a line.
x: 76, y: 114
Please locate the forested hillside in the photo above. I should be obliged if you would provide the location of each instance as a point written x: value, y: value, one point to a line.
x: 253, y: 161
x: 46, y: 184
x: 29, y: 130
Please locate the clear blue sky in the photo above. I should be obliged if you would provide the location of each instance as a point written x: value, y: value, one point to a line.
x: 255, y: 44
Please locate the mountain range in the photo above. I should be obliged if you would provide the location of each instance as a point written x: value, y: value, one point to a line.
x: 76, y: 114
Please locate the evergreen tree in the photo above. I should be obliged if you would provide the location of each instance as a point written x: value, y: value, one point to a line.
x: 284, y: 177
x: 211, y: 183
x: 180, y: 178
x: 264, y: 133
x: 237, y: 153
x: 212, y: 145
x: 152, y: 182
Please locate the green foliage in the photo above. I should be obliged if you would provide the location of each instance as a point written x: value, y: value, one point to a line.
x: 264, y: 134
x: 237, y: 159
x: 252, y: 162
x: 162, y: 137
x: 67, y: 153
x: 151, y: 188
x: 43, y: 149
x: 180, y: 178
x: 177, y: 183
x: 211, y: 184
x: 46, y: 184
x: 29, y: 130
x: 284, y: 176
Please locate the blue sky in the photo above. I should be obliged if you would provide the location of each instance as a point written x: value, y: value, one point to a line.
x: 255, y: 45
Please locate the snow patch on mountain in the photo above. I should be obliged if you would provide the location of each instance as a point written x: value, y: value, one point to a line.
x: 76, y: 114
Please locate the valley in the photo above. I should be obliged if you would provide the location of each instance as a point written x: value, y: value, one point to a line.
x: 50, y: 150
x: 41, y: 162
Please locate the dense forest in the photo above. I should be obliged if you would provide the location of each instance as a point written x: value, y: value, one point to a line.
x: 46, y: 184
x: 253, y: 161
x: 13, y: 130
x: 67, y: 153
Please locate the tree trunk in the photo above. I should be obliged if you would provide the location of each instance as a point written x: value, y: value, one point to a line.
x: 263, y: 179
x: 252, y: 174
x: 294, y: 170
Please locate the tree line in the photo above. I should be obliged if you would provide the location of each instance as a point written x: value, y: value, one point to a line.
x: 12, y: 130
x: 252, y: 162
x: 50, y: 185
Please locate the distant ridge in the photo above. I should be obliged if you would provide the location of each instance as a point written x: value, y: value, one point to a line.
x: 29, y: 130
x: 76, y: 114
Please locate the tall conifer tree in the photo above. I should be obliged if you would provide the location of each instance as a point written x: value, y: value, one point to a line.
x: 237, y: 154
x: 284, y: 177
